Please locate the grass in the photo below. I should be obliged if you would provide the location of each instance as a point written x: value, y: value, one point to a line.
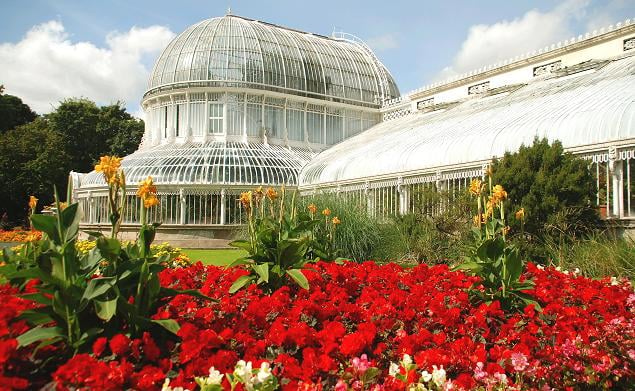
x: 216, y: 257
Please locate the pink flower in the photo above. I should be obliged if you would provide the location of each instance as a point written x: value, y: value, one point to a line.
x: 340, y: 386
x: 519, y: 361
x: 361, y: 364
x: 479, y: 373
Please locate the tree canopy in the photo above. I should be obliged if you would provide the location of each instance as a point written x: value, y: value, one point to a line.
x: 13, y: 112
x: 41, y: 153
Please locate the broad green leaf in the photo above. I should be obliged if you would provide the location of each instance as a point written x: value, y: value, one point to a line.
x: 170, y: 325
x: 37, y: 316
x: 240, y: 261
x: 262, y: 270
x: 37, y: 297
x: 299, y: 278
x: 46, y: 224
x: 97, y: 287
x: 240, y: 282
x: 94, y: 234
x: 245, y: 245
x: 105, y: 309
x: 108, y: 247
x: 70, y: 220
x: 39, y: 334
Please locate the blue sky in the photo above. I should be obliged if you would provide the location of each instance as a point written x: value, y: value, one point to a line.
x: 103, y: 50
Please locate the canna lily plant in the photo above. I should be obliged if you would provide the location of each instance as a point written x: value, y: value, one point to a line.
x: 492, y: 258
x: 280, y: 240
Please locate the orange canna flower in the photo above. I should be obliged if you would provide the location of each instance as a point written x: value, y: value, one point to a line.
x: 150, y: 201
x: 499, y: 194
x: 476, y: 187
x: 32, y: 202
x: 271, y: 193
x: 245, y: 199
x: 312, y: 208
x: 336, y: 220
x: 148, y: 193
x: 326, y: 212
x: 109, y: 166
x: 520, y: 215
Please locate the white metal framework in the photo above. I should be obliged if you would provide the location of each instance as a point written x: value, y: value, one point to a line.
x: 234, y: 103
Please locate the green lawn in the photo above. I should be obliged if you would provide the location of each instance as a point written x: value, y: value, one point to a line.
x: 217, y: 257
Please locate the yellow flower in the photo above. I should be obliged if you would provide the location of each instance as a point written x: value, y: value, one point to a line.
x: 499, y: 193
x: 520, y: 215
x: 32, y: 202
x: 271, y: 194
x: 146, y: 187
x: 326, y: 212
x: 109, y: 166
x: 312, y: 208
x: 245, y: 199
x: 336, y: 220
x: 476, y: 221
x: 476, y: 186
x: 505, y: 230
x: 63, y: 205
x: 150, y: 201
x: 258, y: 193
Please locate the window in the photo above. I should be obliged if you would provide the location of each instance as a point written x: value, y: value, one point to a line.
x: 315, y: 126
x: 295, y: 125
x: 422, y: 104
x: 478, y: 88
x: 547, y: 68
x: 215, y: 118
x: 629, y: 44
x: 274, y: 121
x: 165, y: 122
x: 177, y: 126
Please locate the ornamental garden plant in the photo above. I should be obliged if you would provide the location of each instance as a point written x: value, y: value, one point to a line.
x: 114, y: 315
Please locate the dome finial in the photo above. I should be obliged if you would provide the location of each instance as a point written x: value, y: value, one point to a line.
x: 229, y: 10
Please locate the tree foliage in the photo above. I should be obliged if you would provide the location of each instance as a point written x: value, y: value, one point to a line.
x: 13, y: 112
x: 39, y: 154
x: 549, y: 184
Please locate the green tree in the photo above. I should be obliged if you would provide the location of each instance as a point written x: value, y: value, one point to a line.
x: 13, y: 112
x: 549, y: 184
x: 122, y: 131
x: 32, y: 160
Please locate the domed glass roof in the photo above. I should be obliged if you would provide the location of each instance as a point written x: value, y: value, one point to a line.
x: 233, y: 51
x: 211, y: 163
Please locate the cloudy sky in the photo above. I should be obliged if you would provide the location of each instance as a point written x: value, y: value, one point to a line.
x: 55, y: 49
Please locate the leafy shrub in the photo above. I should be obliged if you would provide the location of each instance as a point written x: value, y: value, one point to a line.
x: 555, y: 188
x: 359, y: 235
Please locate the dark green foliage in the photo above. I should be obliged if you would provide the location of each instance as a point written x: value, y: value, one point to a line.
x: 40, y: 154
x: 13, y: 113
x: 32, y: 161
x: 554, y: 187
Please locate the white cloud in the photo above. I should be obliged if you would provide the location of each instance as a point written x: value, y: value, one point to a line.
x: 383, y: 42
x: 46, y: 66
x: 488, y: 44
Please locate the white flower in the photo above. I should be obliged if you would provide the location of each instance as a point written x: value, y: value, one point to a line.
x: 264, y: 373
x: 166, y: 387
x: 614, y: 281
x: 393, y: 370
x: 426, y: 376
x: 558, y: 268
x: 501, y: 377
x: 215, y: 377
x: 576, y: 271
x: 540, y: 267
x: 407, y: 360
x: 243, y: 370
x: 438, y: 375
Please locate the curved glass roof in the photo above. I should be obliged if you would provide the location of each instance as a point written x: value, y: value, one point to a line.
x: 211, y: 163
x: 233, y: 51
x: 585, y: 108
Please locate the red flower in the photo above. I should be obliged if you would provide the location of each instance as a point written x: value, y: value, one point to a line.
x: 120, y: 345
x: 99, y: 346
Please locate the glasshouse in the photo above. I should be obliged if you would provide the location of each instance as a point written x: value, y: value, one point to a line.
x: 234, y: 102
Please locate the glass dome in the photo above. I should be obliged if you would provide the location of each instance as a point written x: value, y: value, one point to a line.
x: 233, y: 51
x: 212, y: 162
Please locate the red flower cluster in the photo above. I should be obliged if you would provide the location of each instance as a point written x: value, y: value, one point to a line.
x: 585, y: 333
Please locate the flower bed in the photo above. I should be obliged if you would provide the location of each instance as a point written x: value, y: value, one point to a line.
x: 20, y: 235
x: 316, y: 339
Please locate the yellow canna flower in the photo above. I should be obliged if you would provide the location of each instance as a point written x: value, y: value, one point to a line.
x: 520, y: 215
x: 312, y: 208
x: 109, y: 167
x: 476, y: 187
x: 146, y: 187
x: 326, y: 212
x: 476, y: 221
x: 336, y: 220
x: 245, y: 199
x: 32, y: 202
x: 258, y: 193
x: 499, y: 193
x: 271, y: 193
x: 505, y: 230
x: 150, y: 201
